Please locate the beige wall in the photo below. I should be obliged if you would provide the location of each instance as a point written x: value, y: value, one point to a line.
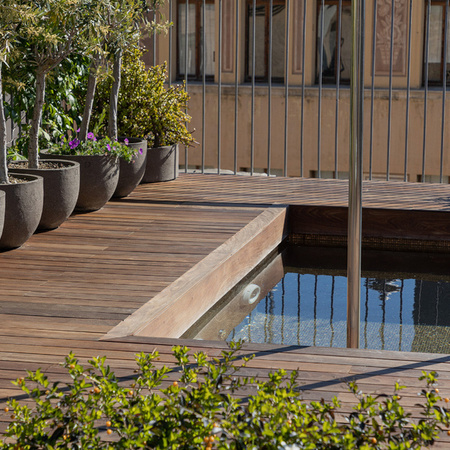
x: 311, y: 103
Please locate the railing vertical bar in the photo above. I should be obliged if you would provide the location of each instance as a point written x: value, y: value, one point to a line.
x: 408, y: 94
x: 186, y: 58
x: 372, y: 91
x: 444, y: 90
x: 154, y: 40
x: 170, y: 44
x: 252, y: 143
x: 286, y: 90
x: 298, y: 309
x: 219, y: 91
x: 425, y: 103
x: 302, y: 123
x: 319, y: 106
x: 203, y: 85
x: 400, y: 321
x: 11, y: 103
x: 391, y: 66
x: 338, y: 82
x: 236, y: 87
x: 315, y: 309
x: 269, y: 87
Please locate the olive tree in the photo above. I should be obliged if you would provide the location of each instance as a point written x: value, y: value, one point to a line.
x: 13, y: 16
x: 124, y: 22
x: 62, y: 27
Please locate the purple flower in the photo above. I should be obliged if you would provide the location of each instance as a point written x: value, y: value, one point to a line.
x: 141, y: 151
x: 78, y: 130
x: 91, y: 136
x: 126, y: 141
x: 108, y: 147
x: 74, y: 144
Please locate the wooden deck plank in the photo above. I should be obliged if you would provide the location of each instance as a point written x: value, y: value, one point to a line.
x: 65, y: 289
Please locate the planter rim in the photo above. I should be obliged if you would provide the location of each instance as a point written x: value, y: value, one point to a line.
x: 27, y: 176
x: 66, y: 162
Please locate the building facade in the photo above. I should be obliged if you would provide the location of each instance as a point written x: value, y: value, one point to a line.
x: 269, y: 85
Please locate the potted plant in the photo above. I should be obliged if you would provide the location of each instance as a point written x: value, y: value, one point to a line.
x: 99, y: 164
x: 23, y: 195
x: 164, y: 119
x: 150, y: 110
x: 59, y: 27
x: 124, y: 22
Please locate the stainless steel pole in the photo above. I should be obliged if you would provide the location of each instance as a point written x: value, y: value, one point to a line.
x: 355, y: 179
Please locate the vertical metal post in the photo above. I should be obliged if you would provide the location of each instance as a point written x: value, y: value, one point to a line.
x: 444, y: 90
x: 338, y: 82
x: 252, y: 137
x: 391, y: 67
x: 219, y: 93
x: 286, y: 92
x: 372, y: 91
x: 203, y: 85
x: 319, y: 104
x: 269, y: 93
x: 186, y: 59
x: 425, y: 101
x: 355, y: 179
x: 408, y: 93
x: 236, y: 87
x: 302, y: 124
x: 170, y: 68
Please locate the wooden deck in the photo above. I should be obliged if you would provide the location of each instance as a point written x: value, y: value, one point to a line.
x: 67, y: 288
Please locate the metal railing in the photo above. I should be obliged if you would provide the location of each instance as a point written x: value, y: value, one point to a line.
x: 299, y: 126
x: 389, y: 95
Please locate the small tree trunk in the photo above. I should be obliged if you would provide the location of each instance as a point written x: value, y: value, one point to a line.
x: 33, y: 145
x: 3, y: 161
x: 114, y: 97
x: 92, y: 84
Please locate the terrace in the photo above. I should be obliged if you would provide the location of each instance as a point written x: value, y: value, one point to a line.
x: 136, y: 274
x: 74, y: 288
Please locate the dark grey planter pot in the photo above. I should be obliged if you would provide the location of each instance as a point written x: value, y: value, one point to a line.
x: 162, y: 164
x: 24, y: 202
x: 131, y: 174
x: 98, y: 179
x: 2, y: 210
x: 61, y: 189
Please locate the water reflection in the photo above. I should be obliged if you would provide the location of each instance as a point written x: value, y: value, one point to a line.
x: 400, y: 310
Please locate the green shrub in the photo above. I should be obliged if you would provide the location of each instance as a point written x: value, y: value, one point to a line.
x: 206, y: 404
x: 147, y: 108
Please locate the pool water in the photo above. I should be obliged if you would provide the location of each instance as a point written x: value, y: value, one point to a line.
x: 405, y: 302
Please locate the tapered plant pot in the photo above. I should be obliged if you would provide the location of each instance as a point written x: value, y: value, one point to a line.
x: 24, y: 202
x: 61, y: 189
x: 99, y: 175
x: 162, y: 164
x: 131, y: 173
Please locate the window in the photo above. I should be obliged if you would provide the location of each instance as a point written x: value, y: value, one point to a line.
x: 334, y: 21
x: 194, y: 36
x: 264, y: 17
x: 436, y: 40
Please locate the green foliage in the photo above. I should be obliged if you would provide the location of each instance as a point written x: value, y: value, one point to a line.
x: 93, y: 146
x: 147, y: 108
x: 205, y: 403
x: 62, y: 106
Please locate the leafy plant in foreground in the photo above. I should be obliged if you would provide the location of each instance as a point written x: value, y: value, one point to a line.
x: 205, y: 403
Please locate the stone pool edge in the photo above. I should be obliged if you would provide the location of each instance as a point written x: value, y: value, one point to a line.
x: 176, y: 308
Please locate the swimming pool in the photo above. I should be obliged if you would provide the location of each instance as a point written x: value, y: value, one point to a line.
x: 299, y: 297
